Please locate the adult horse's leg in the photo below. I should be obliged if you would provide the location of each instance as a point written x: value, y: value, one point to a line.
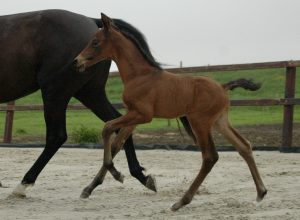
x: 245, y: 150
x: 202, y: 129
x: 93, y: 96
x: 55, y: 118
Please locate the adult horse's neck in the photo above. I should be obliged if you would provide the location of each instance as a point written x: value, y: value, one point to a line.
x: 130, y: 61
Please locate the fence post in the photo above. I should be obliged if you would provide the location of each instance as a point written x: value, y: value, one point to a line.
x: 9, y: 122
x: 288, y: 111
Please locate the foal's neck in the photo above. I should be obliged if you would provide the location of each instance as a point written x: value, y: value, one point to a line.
x: 130, y: 61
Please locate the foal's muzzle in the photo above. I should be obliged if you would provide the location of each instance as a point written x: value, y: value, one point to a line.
x: 79, y: 63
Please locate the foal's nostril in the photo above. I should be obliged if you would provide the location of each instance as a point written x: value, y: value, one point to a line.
x: 75, y: 62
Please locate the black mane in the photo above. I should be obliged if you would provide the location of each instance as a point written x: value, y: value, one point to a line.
x: 138, y: 39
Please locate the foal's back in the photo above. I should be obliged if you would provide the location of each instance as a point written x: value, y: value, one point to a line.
x: 200, y: 94
x: 171, y: 95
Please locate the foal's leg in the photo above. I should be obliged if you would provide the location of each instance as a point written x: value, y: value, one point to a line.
x: 116, y: 146
x: 201, y: 128
x: 132, y: 118
x: 245, y: 150
x: 93, y: 96
x: 102, y: 172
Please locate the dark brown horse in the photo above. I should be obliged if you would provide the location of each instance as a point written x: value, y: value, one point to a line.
x: 37, y: 50
x: 152, y: 92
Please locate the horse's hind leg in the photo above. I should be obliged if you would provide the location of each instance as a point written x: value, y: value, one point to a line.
x: 202, y: 130
x: 244, y: 148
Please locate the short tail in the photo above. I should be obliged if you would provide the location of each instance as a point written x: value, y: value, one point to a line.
x: 247, y: 84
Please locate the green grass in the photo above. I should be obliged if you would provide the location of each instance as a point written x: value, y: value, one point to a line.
x: 31, y: 123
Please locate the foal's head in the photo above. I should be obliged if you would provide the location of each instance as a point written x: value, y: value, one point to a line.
x: 111, y: 40
x: 100, y: 47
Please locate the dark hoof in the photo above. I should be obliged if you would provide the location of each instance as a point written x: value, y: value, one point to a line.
x: 120, y: 177
x: 85, y: 193
x: 176, y: 206
x: 260, y: 197
x: 151, y: 183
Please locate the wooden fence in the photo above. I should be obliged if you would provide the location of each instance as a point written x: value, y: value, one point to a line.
x: 288, y: 101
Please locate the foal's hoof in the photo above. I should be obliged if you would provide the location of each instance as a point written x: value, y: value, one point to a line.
x: 176, y: 206
x: 85, y: 193
x: 151, y: 183
x: 261, y: 196
x: 119, y: 177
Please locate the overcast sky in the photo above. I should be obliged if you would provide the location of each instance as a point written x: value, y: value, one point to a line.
x: 197, y: 32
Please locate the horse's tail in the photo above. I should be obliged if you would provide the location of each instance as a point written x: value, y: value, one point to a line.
x: 247, y: 84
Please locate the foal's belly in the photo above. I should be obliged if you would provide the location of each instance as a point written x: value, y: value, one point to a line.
x: 171, y: 108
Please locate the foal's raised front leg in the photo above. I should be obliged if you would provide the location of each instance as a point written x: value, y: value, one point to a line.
x: 126, y: 123
x: 93, y: 96
x: 116, y: 146
x: 102, y: 172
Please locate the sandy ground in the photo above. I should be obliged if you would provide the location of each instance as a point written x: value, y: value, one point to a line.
x: 227, y: 193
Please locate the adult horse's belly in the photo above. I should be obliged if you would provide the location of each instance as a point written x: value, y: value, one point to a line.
x: 16, y: 84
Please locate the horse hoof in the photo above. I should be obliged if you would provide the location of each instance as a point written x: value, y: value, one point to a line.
x: 151, y: 183
x: 120, y: 178
x: 85, y: 194
x: 19, y: 191
x: 176, y: 206
x: 259, y: 198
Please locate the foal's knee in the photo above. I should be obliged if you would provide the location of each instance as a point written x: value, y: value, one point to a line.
x: 107, y: 131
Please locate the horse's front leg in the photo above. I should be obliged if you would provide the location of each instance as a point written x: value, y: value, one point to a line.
x: 55, y: 117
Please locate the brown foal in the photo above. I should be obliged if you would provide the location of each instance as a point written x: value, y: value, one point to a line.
x: 152, y: 92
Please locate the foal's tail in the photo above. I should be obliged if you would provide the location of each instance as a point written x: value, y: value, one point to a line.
x: 247, y: 84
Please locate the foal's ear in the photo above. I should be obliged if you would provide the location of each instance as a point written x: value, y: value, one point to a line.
x: 106, y: 21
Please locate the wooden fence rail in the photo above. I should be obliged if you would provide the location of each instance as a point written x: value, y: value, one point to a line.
x: 288, y: 102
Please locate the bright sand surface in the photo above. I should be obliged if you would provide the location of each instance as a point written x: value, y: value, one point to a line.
x: 227, y: 193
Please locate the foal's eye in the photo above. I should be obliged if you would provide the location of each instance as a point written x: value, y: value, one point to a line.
x: 95, y: 43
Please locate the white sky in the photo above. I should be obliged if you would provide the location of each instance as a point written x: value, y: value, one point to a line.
x: 198, y: 32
